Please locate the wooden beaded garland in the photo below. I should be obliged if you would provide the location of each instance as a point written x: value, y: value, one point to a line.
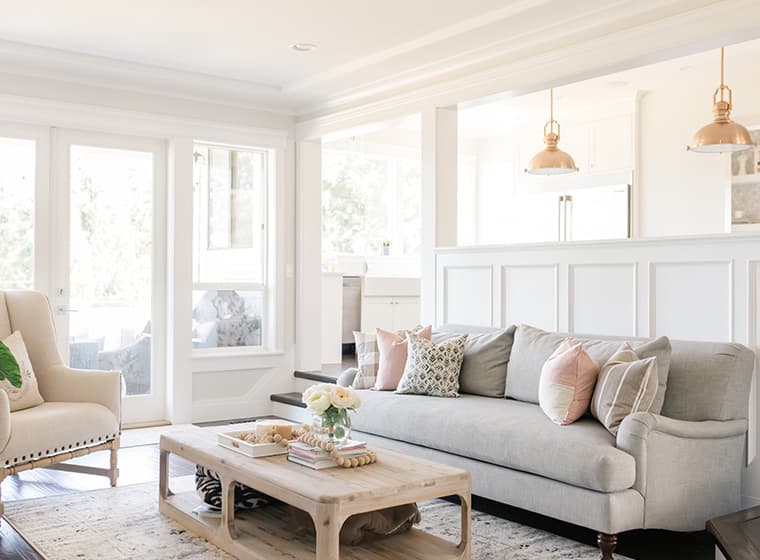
x: 304, y: 435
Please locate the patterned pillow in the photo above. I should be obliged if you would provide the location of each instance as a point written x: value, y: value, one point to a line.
x: 367, y: 358
x: 28, y: 395
x: 209, y: 488
x: 626, y: 385
x: 433, y: 369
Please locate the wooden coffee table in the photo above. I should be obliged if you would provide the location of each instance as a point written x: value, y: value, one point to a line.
x: 329, y: 496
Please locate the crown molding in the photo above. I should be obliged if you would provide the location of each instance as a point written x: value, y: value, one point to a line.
x: 98, y: 71
x: 49, y: 113
x: 713, y: 24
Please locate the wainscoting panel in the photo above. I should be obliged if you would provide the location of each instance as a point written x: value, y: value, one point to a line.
x: 692, y: 300
x: 529, y: 294
x: 468, y: 295
x: 602, y: 298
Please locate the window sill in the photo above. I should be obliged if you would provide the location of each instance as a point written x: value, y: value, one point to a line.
x: 234, y: 359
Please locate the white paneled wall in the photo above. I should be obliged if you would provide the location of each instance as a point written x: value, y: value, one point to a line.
x: 693, y: 288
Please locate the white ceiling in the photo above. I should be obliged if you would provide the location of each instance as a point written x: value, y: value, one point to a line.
x: 239, y: 50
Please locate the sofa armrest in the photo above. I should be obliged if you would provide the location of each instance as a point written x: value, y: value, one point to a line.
x: 346, y: 378
x: 5, y: 419
x: 79, y: 385
x: 694, y: 464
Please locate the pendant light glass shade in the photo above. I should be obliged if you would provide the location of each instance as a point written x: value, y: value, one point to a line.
x: 723, y: 134
x: 551, y: 160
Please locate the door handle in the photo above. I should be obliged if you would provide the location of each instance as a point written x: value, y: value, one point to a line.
x: 62, y: 310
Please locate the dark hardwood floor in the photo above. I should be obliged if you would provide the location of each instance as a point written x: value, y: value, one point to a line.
x: 140, y: 464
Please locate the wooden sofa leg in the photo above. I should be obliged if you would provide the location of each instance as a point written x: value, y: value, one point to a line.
x: 607, y: 544
x: 114, y: 470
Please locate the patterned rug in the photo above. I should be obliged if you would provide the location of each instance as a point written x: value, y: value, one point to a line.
x: 124, y: 523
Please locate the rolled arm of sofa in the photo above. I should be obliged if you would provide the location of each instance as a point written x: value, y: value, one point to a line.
x: 687, y: 471
x: 346, y: 379
x: 66, y: 384
x: 5, y: 420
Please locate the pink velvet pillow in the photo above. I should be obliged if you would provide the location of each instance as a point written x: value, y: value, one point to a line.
x: 393, y: 351
x: 567, y: 383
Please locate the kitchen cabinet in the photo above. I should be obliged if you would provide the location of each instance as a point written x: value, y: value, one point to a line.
x: 391, y: 304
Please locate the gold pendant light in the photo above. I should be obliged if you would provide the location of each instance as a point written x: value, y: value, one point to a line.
x: 551, y: 160
x: 722, y: 135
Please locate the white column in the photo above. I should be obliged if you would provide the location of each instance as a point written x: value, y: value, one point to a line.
x: 308, y: 339
x: 439, y: 198
x: 179, y: 275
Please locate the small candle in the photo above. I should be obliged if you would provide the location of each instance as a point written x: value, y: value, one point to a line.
x: 265, y: 428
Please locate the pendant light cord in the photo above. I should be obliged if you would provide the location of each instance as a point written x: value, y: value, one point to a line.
x: 722, y: 73
x: 551, y: 104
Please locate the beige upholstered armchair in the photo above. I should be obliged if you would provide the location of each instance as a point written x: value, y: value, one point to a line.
x: 81, y: 412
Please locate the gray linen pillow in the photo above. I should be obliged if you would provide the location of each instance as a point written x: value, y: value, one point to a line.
x: 486, y: 353
x: 532, y: 347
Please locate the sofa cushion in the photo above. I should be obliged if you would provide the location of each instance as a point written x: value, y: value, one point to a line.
x: 533, y: 347
x: 486, y: 353
x: 626, y: 385
x: 393, y: 349
x: 503, y: 432
x: 433, y: 369
x: 54, y: 427
x: 567, y: 383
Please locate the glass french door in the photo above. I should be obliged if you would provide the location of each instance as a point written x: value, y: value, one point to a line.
x: 109, y: 264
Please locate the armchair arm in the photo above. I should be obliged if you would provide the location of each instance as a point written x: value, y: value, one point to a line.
x: 5, y: 419
x: 687, y: 471
x: 65, y: 384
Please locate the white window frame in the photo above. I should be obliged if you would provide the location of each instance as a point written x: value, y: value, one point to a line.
x: 271, y: 339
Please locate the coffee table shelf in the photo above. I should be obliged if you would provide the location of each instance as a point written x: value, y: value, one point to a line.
x: 266, y: 534
x: 329, y: 497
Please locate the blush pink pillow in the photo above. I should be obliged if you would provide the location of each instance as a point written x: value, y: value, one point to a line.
x: 393, y: 350
x: 567, y: 383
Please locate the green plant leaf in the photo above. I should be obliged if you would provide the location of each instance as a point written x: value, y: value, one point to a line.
x: 9, y: 367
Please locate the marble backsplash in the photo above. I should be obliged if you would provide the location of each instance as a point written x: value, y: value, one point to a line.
x: 746, y: 198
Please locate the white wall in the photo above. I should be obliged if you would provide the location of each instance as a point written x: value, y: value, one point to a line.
x: 681, y: 192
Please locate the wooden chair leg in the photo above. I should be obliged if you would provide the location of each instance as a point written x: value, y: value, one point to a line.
x: 114, y: 470
x: 2, y: 507
x: 607, y: 544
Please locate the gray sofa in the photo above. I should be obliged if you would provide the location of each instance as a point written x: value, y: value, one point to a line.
x: 672, y: 470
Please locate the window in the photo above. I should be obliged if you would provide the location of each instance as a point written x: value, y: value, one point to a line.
x: 229, y: 246
x: 17, y: 163
x: 370, y: 204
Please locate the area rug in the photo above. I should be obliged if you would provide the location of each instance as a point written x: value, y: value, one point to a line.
x: 124, y: 523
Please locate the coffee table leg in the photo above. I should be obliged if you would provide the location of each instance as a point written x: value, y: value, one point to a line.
x: 163, y: 478
x: 228, y: 508
x: 464, y: 544
x: 327, y: 526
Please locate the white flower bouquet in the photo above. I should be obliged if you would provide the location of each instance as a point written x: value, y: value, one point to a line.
x: 331, y: 404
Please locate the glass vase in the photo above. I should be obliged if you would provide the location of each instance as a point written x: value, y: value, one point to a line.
x: 333, y: 426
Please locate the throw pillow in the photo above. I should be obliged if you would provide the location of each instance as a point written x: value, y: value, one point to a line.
x: 532, y: 347
x: 367, y: 360
x: 28, y: 395
x: 433, y: 369
x: 486, y: 353
x: 393, y: 350
x: 567, y: 383
x: 626, y: 385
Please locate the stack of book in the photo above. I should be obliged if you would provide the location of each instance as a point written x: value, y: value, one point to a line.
x: 316, y: 458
